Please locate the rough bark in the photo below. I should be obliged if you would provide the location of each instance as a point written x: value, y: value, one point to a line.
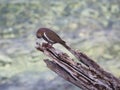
x: 85, y: 74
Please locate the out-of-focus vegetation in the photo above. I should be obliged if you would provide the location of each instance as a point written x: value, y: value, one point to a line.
x: 92, y: 26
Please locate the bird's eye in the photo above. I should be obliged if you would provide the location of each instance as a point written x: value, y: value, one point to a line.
x: 39, y: 36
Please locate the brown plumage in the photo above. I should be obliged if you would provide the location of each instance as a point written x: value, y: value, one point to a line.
x: 50, y: 36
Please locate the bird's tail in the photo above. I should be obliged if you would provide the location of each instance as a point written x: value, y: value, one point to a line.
x: 65, y: 45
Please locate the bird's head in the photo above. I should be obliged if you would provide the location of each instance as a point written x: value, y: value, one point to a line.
x: 40, y: 32
x: 38, y: 35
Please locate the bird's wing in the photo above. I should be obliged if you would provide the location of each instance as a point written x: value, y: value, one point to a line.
x: 53, y: 36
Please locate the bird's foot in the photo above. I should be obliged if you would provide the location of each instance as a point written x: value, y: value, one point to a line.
x: 46, y: 45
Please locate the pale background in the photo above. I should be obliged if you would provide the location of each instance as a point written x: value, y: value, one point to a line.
x: 91, y: 26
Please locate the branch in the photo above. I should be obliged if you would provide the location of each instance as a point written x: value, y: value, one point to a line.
x: 86, y: 74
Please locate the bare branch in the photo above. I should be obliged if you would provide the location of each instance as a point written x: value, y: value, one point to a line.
x: 88, y: 75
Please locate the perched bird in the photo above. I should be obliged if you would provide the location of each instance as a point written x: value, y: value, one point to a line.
x: 50, y: 36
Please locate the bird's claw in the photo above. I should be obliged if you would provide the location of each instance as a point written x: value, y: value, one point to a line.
x: 46, y: 45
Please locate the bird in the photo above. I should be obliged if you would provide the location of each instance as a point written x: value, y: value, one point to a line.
x: 50, y: 36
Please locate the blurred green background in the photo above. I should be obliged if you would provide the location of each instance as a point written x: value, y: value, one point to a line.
x: 91, y: 26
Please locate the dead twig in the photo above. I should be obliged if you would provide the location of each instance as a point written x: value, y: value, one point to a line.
x: 88, y: 75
